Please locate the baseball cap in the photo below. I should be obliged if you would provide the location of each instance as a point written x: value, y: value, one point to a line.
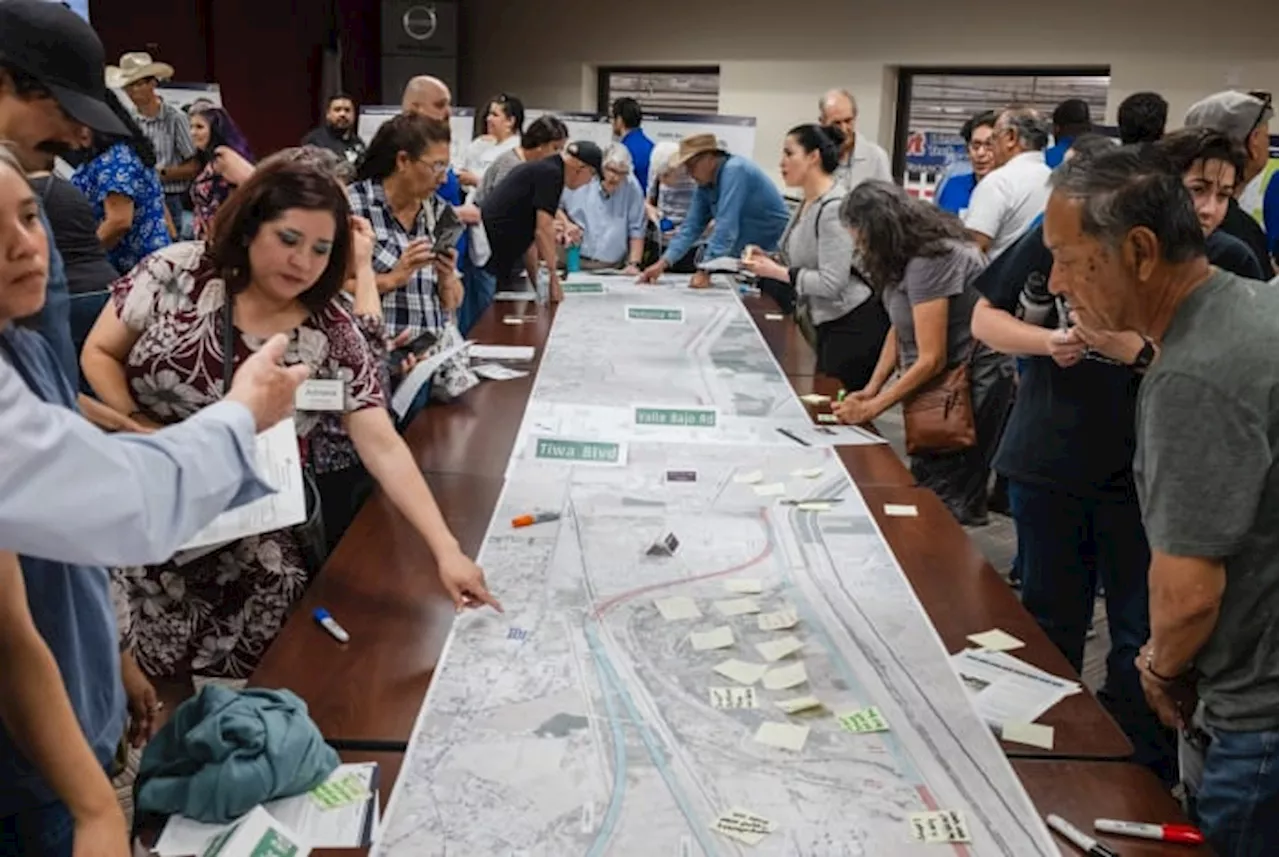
x: 587, y: 152
x: 1232, y: 113
x: 59, y: 49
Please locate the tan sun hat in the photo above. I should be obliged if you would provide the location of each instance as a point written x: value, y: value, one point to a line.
x: 694, y: 145
x: 135, y: 66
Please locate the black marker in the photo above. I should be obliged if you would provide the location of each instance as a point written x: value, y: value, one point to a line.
x: 794, y: 437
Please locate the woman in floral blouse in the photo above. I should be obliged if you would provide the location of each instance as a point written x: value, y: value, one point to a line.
x: 279, y: 252
x: 225, y: 163
x: 121, y: 184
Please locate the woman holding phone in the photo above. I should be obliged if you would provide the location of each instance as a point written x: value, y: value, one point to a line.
x: 395, y: 190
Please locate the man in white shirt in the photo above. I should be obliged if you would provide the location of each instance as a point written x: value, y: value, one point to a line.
x: 1008, y: 201
x: 861, y: 159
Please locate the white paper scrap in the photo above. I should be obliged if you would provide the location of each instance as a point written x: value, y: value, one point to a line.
x: 744, y: 586
x: 778, y: 620
x: 900, y: 510
x: 996, y: 640
x: 678, y: 607
x: 733, y: 697
x: 749, y: 478
x: 797, y: 704
x: 497, y: 372
x: 743, y: 825
x: 1032, y: 734
x: 946, y: 825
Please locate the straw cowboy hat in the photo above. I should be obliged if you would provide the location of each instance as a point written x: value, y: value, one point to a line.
x: 135, y: 66
x: 694, y: 145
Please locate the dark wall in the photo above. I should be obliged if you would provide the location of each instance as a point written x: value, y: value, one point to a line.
x: 265, y: 54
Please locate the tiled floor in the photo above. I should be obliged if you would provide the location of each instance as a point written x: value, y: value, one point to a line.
x: 998, y: 543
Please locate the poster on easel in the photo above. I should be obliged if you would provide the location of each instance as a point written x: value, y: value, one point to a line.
x: 461, y: 125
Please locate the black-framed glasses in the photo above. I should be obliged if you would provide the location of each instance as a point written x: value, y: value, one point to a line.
x: 1265, y: 97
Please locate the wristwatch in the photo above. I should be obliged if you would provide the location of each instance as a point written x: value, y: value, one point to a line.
x: 1148, y: 353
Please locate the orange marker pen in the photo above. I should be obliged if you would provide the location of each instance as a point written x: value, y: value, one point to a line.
x: 537, y: 518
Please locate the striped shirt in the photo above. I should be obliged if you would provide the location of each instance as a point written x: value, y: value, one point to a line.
x: 414, y: 306
x: 170, y: 133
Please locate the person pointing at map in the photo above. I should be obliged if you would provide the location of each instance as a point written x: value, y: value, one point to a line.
x: 744, y: 203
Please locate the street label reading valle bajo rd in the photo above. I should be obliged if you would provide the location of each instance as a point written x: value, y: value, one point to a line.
x: 579, y: 450
x: 655, y: 313
x: 690, y: 417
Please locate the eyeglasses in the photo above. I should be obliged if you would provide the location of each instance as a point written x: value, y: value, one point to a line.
x: 1262, y: 111
x: 435, y: 166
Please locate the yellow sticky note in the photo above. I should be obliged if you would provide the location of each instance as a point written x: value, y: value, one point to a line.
x: 827, y: 418
x: 737, y: 606
x: 774, y: 316
x: 779, y: 620
x: 776, y: 650
x: 512, y: 319
x: 799, y: 703
x: 815, y: 399
x: 946, y: 825
x: 741, y: 671
x: 716, y: 638
x: 900, y: 510
x: 743, y: 825
x: 996, y: 640
x: 733, y: 697
x: 678, y: 607
x: 744, y: 587
x: 785, y: 736
x: 782, y: 678
x: 1033, y: 734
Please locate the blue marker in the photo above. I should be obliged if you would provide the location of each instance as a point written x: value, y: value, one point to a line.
x: 324, y: 620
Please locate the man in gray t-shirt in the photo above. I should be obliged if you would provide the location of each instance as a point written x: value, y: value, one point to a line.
x: 1129, y: 256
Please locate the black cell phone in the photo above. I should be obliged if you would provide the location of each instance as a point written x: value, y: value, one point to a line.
x: 415, y: 346
x: 446, y: 236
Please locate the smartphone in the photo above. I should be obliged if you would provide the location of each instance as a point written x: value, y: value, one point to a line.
x: 415, y: 346
x: 446, y: 236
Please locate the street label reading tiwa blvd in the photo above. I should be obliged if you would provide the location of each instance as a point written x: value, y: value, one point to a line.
x: 583, y: 288
x: 655, y: 313
x: 580, y: 450
x: 690, y: 417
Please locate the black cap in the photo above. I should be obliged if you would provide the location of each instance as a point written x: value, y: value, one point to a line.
x: 59, y: 49
x: 587, y: 152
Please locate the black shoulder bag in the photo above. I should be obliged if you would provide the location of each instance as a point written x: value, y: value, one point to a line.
x: 310, y: 533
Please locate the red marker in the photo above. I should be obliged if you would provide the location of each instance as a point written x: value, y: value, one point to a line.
x: 1183, y: 834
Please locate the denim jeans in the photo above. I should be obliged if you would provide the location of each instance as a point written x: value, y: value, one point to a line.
x: 1236, y: 803
x: 46, y: 831
x: 1067, y: 544
x: 478, y: 289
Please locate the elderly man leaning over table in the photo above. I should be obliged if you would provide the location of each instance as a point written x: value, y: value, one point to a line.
x: 607, y: 217
x: 744, y: 202
x: 1129, y: 257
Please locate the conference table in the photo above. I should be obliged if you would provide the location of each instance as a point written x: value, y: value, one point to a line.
x: 380, y: 583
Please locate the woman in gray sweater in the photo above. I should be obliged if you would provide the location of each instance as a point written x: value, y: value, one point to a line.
x: 818, y: 264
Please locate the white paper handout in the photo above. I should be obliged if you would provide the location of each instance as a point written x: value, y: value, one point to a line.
x: 515, y: 353
x: 280, y: 466
x: 403, y: 398
x: 350, y: 826
x: 497, y: 372
x: 721, y: 265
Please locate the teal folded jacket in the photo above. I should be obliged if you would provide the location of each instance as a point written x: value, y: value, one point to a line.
x: 225, y: 751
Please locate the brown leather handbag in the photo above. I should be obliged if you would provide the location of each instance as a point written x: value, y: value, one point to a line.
x: 939, y: 416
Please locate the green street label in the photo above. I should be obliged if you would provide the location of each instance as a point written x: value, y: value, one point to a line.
x: 579, y: 450
x: 583, y: 288
x: 689, y: 417
x: 655, y: 313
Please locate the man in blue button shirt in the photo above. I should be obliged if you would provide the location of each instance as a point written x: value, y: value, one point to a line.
x: 744, y: 203
x: 627, y: 115
x: 956, y: 189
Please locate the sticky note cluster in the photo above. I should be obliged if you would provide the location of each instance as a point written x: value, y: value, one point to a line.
x: 338, y: 793
x: 744, y: 826
x: 946, y: 825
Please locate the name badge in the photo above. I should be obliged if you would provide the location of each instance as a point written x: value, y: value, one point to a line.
x: 320, y: 394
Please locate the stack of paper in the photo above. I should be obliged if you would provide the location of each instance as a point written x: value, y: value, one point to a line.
x: 1010, y: 690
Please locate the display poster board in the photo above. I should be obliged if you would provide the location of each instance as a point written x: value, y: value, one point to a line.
x: 461, y: 124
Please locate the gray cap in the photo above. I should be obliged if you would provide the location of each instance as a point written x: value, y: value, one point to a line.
x: 1232, y: 113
